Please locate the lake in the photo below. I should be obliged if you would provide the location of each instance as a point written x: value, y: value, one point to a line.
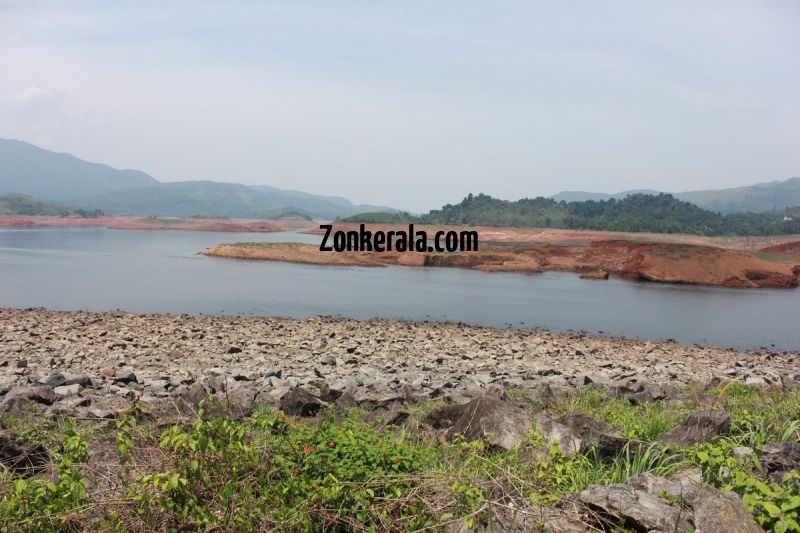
x: 160, y: 272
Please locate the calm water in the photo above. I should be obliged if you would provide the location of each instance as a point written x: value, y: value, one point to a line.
x: 160, y: 271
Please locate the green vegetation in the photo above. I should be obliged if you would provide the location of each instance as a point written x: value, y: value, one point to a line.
x: 771, y: 256
x: 20, y: 204
x: 337, y: 473
x: 761, y: 197
x: 636, y: 213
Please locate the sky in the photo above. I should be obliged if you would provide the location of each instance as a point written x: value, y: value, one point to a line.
x: 412, y: 104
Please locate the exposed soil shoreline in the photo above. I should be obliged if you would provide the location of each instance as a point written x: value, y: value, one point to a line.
x: 658, y: 262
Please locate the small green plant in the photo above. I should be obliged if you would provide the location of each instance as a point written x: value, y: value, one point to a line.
x: 638, y: 459
x: 776, y: 507
x: 125, y: 424
x: 44, y: 505
x: 238, y: 474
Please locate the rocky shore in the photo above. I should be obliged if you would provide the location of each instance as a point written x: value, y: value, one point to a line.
x: 92, y: 363
x: 123, y: 422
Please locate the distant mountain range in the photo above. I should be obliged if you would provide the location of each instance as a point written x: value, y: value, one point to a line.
x: 76, y: 184
x: 757, y: 198
x: 30, y: 171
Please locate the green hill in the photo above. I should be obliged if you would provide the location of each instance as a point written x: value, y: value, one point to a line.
x: 660, y: 213
x: 22, y: 204
x: 761, y: 197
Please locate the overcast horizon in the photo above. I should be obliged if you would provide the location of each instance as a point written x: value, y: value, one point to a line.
x: 412, y: 105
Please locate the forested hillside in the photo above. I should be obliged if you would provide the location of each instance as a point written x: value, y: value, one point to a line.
x: 660, y: 213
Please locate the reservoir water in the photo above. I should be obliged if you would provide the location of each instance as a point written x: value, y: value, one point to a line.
x: 160, y: 272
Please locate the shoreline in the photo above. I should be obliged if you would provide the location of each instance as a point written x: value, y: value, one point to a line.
x: 280, y: 404
x: 432, y: 355
x: 123, y: 222
x: 656, y: 262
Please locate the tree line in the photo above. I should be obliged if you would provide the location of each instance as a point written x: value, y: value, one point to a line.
x: 661, y: 213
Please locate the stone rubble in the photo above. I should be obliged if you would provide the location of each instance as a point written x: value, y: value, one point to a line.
x: 92, y: 365
x: 84, y: 361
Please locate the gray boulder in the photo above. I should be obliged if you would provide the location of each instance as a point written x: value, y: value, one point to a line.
x: 299, y: 402
x: 54, y: 380
x: 126, y: 376
x: 555, y: 432
x: 241, y: 401
x: 594, y: 433
x: 721, y: 512
x: 682, y: 489
x: 637, y: 509
x: 67, y: 390
x: 68, y: 406
x: 779, y: 458
x: 19, y: 398
x: 187, y: 399
x: 500, y: 424
x: 701, y: 426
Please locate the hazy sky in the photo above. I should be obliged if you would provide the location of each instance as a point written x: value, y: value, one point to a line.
x: 412, y: 104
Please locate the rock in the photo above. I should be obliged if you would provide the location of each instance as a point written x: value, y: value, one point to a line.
x: 68, y: 406
x: 593, y: 433
x: 639, y: 392
x: 54, y: 380
x: 242, y: 401
x: 187, y: 399
x: 67, y: 390
x: 557, y: 433
x: 378, y: 399
x: 721, y: 512
x: 19, y: 456
x: 500, y: 424
x: 755, y: 381
x: 22, y: 363
x: 346, y: 401
x: 444, y: 417
x: 701, y: 426
x: 681, y: 489
x: 20, y: 397
x: 77, y: 379
x: 126, y: 376
x: 778, y: 458
x: 298, y: 402
x: 596, y: 380
x: 103, y: 414
x: 274, y: 372
x: 636, y: 509
x: 233, y: 349
x: 6, y: 386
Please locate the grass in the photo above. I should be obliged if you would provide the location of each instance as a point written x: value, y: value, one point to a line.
x: 642, y: 422
x: 777, y: 258
x: 337, y: 473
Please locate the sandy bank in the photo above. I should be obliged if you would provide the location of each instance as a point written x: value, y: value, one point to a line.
x: 658, y: 262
